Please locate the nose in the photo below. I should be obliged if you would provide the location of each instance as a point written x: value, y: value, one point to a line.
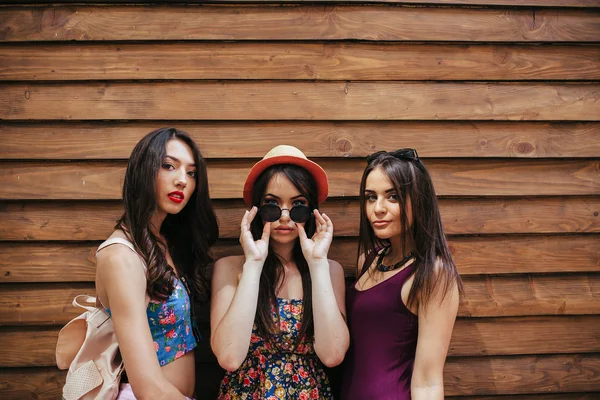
x: 285, y: 214
x: 379, y: 206
x: 180, y: 179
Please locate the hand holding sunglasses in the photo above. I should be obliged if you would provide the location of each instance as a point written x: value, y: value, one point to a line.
x: 315, y: 249
x: 255, y: 250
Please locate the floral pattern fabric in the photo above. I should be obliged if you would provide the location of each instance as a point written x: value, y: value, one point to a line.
x: 277, y: 370
x: 171, y: 325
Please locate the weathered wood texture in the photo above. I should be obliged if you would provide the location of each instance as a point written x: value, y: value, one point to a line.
x: 224, y: 139
x: 321, y: 61
x: 68, y: 220
x: 501, y: 98
x: 103, y: 180
x: 522, y: 374
x: 305, y: 101
x: 298, y: 22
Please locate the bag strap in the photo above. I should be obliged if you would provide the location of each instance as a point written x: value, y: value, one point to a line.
x: 125, y: 242
x: 86, y: 299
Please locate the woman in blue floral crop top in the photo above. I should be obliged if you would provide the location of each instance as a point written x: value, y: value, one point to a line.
x: 277, y: 313
x: 151, y: 269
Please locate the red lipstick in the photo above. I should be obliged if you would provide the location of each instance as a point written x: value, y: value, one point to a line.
x: 176, y: 196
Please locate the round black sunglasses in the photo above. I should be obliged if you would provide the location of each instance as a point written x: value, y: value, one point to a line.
x: 272, y: 212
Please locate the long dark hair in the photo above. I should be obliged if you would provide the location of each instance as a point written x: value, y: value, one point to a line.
x: 413, y: 187
x: 273, y: 273
x: 189, y: 234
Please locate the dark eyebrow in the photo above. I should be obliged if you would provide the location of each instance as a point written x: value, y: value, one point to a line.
x: 279, y: 198
x: 177, y: 160
x: 392, y: 190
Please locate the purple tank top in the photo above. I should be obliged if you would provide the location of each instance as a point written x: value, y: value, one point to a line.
x: 383, y: 341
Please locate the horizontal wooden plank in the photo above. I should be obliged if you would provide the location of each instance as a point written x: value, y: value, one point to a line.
x: 69, y: 220
x: 103, y: 180
x: 34, y: 346
x: 58, y: 140
x: 298, y: 22
x: 513, y: 3
x: 485, y: 296
x: 542, y: 375
x: 522, y: 375
x: 526, y: 335
x: 250, y: 100
x: 321, y: 61
x: 530, y: 295
x: 39, y: 304
x: 43, y: 383
x: 74, y: 262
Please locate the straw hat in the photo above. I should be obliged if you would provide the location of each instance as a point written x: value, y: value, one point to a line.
x: 284, y: 154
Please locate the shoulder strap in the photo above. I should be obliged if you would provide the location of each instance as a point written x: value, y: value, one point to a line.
x: 124, y: 242
x: 368, y: 261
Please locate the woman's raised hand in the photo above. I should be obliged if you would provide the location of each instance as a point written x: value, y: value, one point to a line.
x: 316, y: 248
x: 255, y: 250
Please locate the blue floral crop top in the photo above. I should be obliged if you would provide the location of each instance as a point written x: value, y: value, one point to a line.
x: 170, y: 321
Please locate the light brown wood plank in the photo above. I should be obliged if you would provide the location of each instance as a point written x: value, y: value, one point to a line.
x: 295, y: 22
x: 485, y: 296
x: 531, y: 295
x: 103, y: 180
x: 250, y: 100
x: 69, y: 220
x: 74, y: 262
x: 321, y: 61
x: 30, y: 347
x: 523, y: 254
x: 522, y: 375
x: 526, y: 335
x: 457, y: 139
x: 41, y: 304
x: 44, y: 262
x: 43, y: 383
x: 515, y: 3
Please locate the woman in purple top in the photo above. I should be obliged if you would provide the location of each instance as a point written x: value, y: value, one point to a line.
x: 401, y: 309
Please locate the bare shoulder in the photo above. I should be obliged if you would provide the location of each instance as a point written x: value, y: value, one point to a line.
x: 228, y: 266
x: 230, y: 263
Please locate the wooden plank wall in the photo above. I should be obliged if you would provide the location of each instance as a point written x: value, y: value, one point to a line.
x: 501, y: 98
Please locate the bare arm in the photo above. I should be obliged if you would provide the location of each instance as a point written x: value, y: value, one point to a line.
x: 235, y: 297
x: 122, y: 275
x: 436, y: 321
x: 328, y: 299
x: 328, y: 293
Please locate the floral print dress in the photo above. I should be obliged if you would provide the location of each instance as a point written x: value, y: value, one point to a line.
x: 277, y: 370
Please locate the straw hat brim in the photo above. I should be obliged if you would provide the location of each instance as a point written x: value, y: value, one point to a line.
x: 313, y: 168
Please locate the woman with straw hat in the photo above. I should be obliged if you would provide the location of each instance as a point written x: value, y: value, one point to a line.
x: 277, y: 312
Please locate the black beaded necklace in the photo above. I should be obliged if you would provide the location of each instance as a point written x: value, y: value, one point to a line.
x: 385, y: 268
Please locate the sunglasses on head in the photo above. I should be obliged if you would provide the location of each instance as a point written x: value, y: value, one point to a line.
x: 402, y: 154
x: 272, y: 212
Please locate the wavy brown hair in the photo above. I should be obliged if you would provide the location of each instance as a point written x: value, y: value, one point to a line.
x: 189, y: 234
x: 273, y: 273
x: 411, y: 181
